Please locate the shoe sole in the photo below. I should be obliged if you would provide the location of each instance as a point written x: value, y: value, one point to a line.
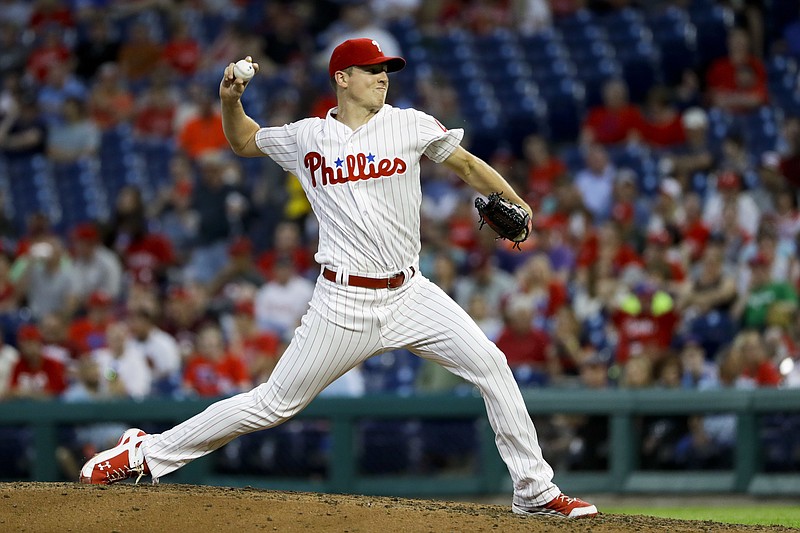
x: 587, y: 512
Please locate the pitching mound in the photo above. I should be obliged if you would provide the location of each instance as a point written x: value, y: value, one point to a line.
x: 51, y: 507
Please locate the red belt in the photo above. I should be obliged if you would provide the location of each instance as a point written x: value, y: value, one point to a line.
x: 392, y: 282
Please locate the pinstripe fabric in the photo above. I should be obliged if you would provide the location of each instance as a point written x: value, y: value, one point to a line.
x: 368, y: 226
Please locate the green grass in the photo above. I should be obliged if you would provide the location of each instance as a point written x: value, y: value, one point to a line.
x: 788, y: 516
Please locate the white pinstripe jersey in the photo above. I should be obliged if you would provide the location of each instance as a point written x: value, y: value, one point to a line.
x: 363, y: 184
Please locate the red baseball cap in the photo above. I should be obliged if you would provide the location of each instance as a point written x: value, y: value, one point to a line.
x: 28, y: 332
x: 85, y: 232
x: 362, y: 52
x: 99, y: 299
x: 728, y: 180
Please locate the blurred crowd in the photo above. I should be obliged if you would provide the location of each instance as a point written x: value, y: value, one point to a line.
x: 194, y: 285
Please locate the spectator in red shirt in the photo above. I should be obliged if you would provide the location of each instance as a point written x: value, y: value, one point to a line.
x: 605, y: 247
x: 616, y: 120
x: 528, y: 349
x: 541, y: 287
x: 50, y: 52
x: 182, y: 51
x: 213, y: 371
x: 737, y: 82
x: 756, y: 363
x: 35, y: 375
x: 155, y: 116
x: 89, y: 332
x: 110, y: 101
x: 645, y: 319
x: 260, y: 349
x: 662, y: 120
x: 544, y: 168
x: 51, y: 13
x: 286, y: 244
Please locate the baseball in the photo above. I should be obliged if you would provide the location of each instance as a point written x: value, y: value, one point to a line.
x: 243, y: 70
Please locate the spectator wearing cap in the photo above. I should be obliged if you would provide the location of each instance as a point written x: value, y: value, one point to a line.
x: 44, y: 276
x: 89, y: 331
x: 35, y: 375
x: 695, y: 155
x: 96, y: 267
x: 283, y: 300
x: 154, y: 118
x: 122, y: 364
x: 260, y: 350
x: 595, y: 182
x: 765, y: 302
x: 729, y: 193
x: 708, y: 302
x: 213, y: 370
x: 160, y: 349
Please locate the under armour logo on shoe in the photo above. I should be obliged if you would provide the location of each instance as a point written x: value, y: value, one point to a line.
x: 103, y: 466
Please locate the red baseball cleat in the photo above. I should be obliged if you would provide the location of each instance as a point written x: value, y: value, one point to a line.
x: 562, y: 506
x: 121, y: 462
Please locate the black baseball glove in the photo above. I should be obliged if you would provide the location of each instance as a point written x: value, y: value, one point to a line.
x: 509, y: 220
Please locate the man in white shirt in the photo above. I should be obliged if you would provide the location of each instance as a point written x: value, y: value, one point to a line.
x: 123, y: 364
x: 281, y: 302
x: 160, y: 349
x: 359, y: 167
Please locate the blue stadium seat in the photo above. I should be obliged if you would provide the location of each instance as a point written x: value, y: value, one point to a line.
x: 712, y: 25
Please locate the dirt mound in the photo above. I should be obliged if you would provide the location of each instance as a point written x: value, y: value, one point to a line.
x: 51, y: 507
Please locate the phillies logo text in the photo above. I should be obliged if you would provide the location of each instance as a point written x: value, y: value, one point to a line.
x: 351, y: 168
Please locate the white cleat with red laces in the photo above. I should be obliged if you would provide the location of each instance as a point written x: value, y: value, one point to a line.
x: 123, y: 461
x: 562, y: 506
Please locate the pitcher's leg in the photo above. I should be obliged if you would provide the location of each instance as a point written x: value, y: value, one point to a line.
x: 452, y: 339
x: 319, y: 353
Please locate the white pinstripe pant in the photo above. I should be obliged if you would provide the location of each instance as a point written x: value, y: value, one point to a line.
x: 343, y: 327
